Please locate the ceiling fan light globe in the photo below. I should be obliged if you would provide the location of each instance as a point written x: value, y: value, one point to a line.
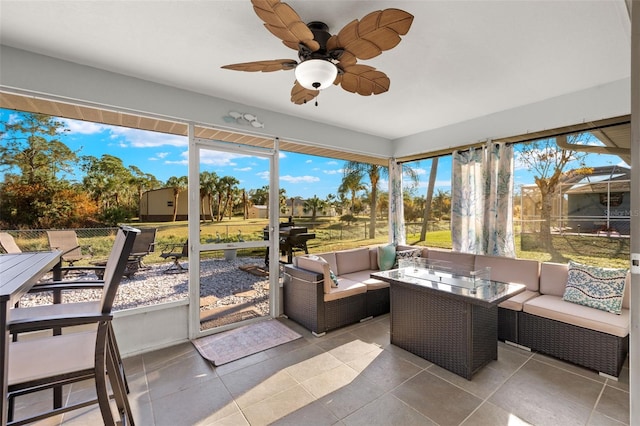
x: 316, y: 74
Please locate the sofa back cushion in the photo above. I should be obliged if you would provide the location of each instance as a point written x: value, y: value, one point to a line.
x: 354, y: 260
x: 330, y: 257
x: 319, y: 265
x: 373, y: 257
x: 509, y: 270
x: 462, y: 261
x: 553, y: 278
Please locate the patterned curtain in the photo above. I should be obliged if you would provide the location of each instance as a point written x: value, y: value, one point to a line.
x: 397, y: 233
x: 467, y: 201
x: 482, y: 200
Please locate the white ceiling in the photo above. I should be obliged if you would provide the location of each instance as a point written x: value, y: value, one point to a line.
x: 460, y: 60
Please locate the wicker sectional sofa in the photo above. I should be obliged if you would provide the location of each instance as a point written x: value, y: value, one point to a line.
x: 313, y: 301
x: 538, y: 319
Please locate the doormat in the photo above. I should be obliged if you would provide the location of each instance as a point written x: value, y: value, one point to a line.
x: 243, y: 341
x: 256, y: 270
x: 225, y: 318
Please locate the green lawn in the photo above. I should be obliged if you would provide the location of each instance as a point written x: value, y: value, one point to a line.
x: 331, y: 235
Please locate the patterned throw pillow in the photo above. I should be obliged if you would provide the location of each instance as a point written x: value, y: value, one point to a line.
x: 333, y: 278
x: 600, y: 288
x: 406, y: 254
x: 386, y: 257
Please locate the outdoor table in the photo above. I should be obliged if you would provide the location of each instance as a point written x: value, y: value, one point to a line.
x: 446, y: 319
x: 18, y: 273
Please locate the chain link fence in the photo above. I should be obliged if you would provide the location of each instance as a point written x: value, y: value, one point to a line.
x: 95, y: 240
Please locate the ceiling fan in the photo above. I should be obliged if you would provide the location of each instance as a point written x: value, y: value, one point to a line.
x: 327, y: 59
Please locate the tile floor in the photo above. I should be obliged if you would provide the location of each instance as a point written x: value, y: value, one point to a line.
x: 354, y: 376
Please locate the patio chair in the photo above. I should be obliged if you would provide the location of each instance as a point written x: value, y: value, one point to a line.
x: 49, y: 362
x: 144, y: 244
x: 175, y: 252
x: 8, y: 243
x: 67, y: 242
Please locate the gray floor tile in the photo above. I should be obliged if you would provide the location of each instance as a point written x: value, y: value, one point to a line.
x: 437, y: 399
x: 543, y: 395
x: 614, y: 403
x: 387, y: 410
x: 353, y: 376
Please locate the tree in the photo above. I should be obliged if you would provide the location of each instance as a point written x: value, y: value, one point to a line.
x: 441, y: 204
x: 31, y: 144
x: 142, y: 181
x: 351, y: 185
x: 178, y: 184
x: 107, y: 179
x: 427, y: 205
x: 312, y: 205
x: 208, y: 187
x: 546, y: 160
x: 355, y: 169
x: 34, y: 159
x: 260, y: 196
x: 228, y: 186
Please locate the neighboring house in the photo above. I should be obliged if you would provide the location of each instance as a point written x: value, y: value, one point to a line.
x: 600, y: 201
x: 258, y: 212
x: 157, y: 205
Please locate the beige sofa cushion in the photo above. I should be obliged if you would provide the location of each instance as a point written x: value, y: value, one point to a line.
x: 509, y: 270
x: 319, y: 265
x: 354, y: 260
x: 364, y: 277
x: 465, y: 261
x: 373, y: 257
x: 345, y: 288
x: 516, y: 302
x: 331, y: 258
x: 553, y: 278
x: 553, y: 307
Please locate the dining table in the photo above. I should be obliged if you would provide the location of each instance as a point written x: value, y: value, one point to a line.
x: 18, y: 273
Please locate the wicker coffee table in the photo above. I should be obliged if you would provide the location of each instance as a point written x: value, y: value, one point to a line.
x: 452, y: 322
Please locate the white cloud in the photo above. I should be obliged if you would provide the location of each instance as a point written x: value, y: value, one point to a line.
x: 159, y: 156
x: 333, y: 172
x: 332, y: 163
x: 84, y: 127
x: 309, y: 161
x: 418, y: 171
x: 263, y: 175
x: 300, y: 179
x: 243, y: 169
x: 144, y: 139
x: 217, y: 158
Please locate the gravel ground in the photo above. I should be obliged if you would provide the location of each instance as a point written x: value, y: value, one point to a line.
x: 220, y: 280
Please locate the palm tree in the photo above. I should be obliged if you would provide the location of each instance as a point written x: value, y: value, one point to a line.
x: 427, y: 206
x: 208, y: 182
x: 178, y: 184
x: 228, y: 185
x: 314, y: 204
x: 351, y: 184
x: 355, y: 170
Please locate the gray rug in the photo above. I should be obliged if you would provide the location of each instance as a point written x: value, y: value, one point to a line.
x: 243, y: 341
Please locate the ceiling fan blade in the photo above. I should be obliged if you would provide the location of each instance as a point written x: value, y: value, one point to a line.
x: 264, y: 66
x: 375, y: 33
x: 364, y: 80
x: 283, y: 22
x: 347, y: 59
x: 301, y: 95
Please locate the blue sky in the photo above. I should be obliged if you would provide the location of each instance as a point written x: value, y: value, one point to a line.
x: 165, y: 155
